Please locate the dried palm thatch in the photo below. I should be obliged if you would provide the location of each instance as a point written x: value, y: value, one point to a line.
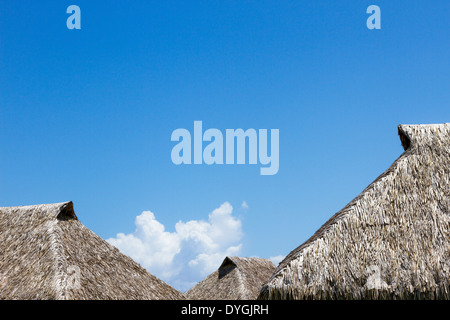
x: 236, y: 279
x: 46, y: 253
x: 390, y: 242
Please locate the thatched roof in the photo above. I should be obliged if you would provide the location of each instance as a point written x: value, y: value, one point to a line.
x: 391, y: 242
x: 236, y: 279
x: 46, y: 253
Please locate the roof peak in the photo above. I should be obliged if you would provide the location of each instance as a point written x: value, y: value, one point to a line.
x: 228, y: 264
x: 241, y: 263
x: 412, y: 135
x: 235, y: 260
x: 60, y: 211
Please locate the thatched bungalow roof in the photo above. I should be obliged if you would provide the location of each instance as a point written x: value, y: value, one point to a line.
x: 236, y: 279
x: 391, y: 242
x: 46, y: 253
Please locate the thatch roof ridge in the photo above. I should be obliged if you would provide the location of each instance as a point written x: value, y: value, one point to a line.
x: 47, y: 253
x: 421, y: 144
x: 244, y: 263
x: 416, y: 135
x: 60, y: 210
x: 237, y: 278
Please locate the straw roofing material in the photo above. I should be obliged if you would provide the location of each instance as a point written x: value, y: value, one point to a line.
x: 236, y: 279
x: 390, y: 242
x: 46, y: 253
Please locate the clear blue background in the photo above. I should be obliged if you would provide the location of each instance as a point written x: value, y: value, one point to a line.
x: 87, y: 115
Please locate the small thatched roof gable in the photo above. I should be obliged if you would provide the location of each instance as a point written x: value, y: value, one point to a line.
x: 236, y: 279
x: 392, y: 241
x: 46, y: 253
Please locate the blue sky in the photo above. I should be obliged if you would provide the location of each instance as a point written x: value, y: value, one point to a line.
x: 87, y: 115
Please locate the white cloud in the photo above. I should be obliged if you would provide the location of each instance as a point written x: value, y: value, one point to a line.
x: 186, y: 256
x: 244, y: 205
